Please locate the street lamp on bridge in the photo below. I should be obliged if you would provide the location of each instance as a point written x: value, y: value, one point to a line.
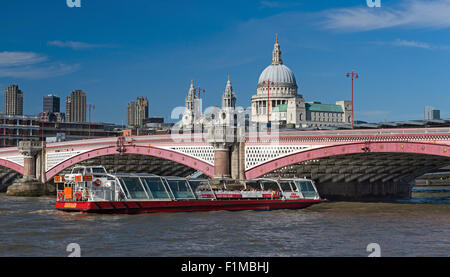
x: 199, y: 91
x: 90, y: 107
x: 268, y: 101
x: 354, y: 76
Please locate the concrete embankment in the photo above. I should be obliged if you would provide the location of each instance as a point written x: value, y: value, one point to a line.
x: 30, y: 188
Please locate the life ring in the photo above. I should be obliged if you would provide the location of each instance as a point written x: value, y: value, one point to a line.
x: 78, y: 195
x: 60, y: 195
x: 97, y: 182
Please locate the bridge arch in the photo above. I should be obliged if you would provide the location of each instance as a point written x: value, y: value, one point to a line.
x: 189, y: 161
x: 8, y: 164
x: 346, y: 149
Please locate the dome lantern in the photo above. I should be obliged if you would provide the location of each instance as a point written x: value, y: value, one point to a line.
x: 277, y: 73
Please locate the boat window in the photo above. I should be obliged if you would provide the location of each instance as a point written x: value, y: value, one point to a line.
x: 270, y: 185
x: 98, y: 170
x: 294, y: 186
x: 306, y: 188
x: 305, y: 185
x: 235, y: 186
x: 77, y: 170
x: 180, y: 189
x: 253, y: 186
x: 133, y: 187
x: 200, y: 185
x: 285, y: 186
x: 155, y: 187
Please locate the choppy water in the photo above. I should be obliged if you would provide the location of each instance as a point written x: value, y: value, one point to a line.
x: 31, y: 227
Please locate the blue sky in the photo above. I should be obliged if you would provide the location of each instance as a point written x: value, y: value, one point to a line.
x: 117, y: 50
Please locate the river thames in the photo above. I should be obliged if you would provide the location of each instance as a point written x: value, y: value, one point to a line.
x: 32, y: 227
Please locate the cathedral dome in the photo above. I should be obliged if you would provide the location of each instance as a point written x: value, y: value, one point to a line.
x: 277, y: 72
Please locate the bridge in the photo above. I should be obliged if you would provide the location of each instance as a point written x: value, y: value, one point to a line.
x: 363, y: 163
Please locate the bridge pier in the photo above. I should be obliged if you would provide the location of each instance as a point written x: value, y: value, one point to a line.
x: 222, y: 161
x: 30, y: 185
x: 229, y: 153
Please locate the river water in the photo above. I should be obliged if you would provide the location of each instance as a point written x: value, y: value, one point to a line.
x: 32, y: 227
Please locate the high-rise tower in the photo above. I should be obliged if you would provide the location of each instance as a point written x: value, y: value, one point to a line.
x: 13, y: 100
x: 76, y: 107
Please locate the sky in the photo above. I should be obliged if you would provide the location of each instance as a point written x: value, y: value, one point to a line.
x: 117, y: 50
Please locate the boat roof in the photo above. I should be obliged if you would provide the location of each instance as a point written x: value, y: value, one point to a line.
x: 279, y: 179
x: 134, y: 175
x: 88, y: 166
x: 175, y: 178
x: 294, y: 179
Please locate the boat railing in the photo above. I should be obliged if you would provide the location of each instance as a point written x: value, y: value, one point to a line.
x: 100, y: 194
x: 244, y: 194
x: 71, y: 191
x: 87, y: 188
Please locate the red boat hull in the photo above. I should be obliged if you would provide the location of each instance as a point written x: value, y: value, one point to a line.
x: 133, y: 207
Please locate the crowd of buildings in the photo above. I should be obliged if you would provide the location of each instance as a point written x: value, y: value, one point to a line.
x: 53, y: 125
x: 277, y: 100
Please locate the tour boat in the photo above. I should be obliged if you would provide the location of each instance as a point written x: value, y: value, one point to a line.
x: 93, y: 190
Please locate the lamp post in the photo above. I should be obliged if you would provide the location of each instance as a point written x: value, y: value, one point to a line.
x: 354, y: 76
x: 42, y: 125
x: 268, y: 101
x: 3, y: 121
x: 93, y: 107
x: 4, y: 128
x: 199, y: 90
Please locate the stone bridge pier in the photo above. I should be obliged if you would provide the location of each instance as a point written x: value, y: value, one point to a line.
x: 229, y: 152
x: 33, y: 182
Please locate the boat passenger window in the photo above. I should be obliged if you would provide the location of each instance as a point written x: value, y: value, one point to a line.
x: 133, y: 188
x: 306, y: 188
x: 285, y: 186
x: 98, y: 170
x: 305, y: 185
x: 155, y: 187
x: 77, y: 170
x: 253, y: 186
x: 180, y: 189
x: 200, y: 185
x: 235, y: 186
x: 294, y: 187
x: 268, y: 185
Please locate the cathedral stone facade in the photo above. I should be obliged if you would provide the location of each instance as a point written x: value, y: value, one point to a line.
x: 276, y: 101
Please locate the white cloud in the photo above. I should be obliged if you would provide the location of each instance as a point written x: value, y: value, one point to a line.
x: 39, y: 72
x: 413, y: 44
x: 76, y: 45
x: 277, y: 4
x: 31, y: 65
x: 409, y: 43
x: 412, y: 14
x: 269, y: 4
x: 20, y: 58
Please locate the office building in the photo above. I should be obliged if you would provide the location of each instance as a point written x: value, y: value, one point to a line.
x: 76, y: 107
x: 431, y: 113
x: 13, y: 100
x: 51, y: 104
x: 137, y: 112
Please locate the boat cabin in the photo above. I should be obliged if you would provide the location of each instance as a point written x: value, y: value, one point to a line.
x: 94, y: 185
